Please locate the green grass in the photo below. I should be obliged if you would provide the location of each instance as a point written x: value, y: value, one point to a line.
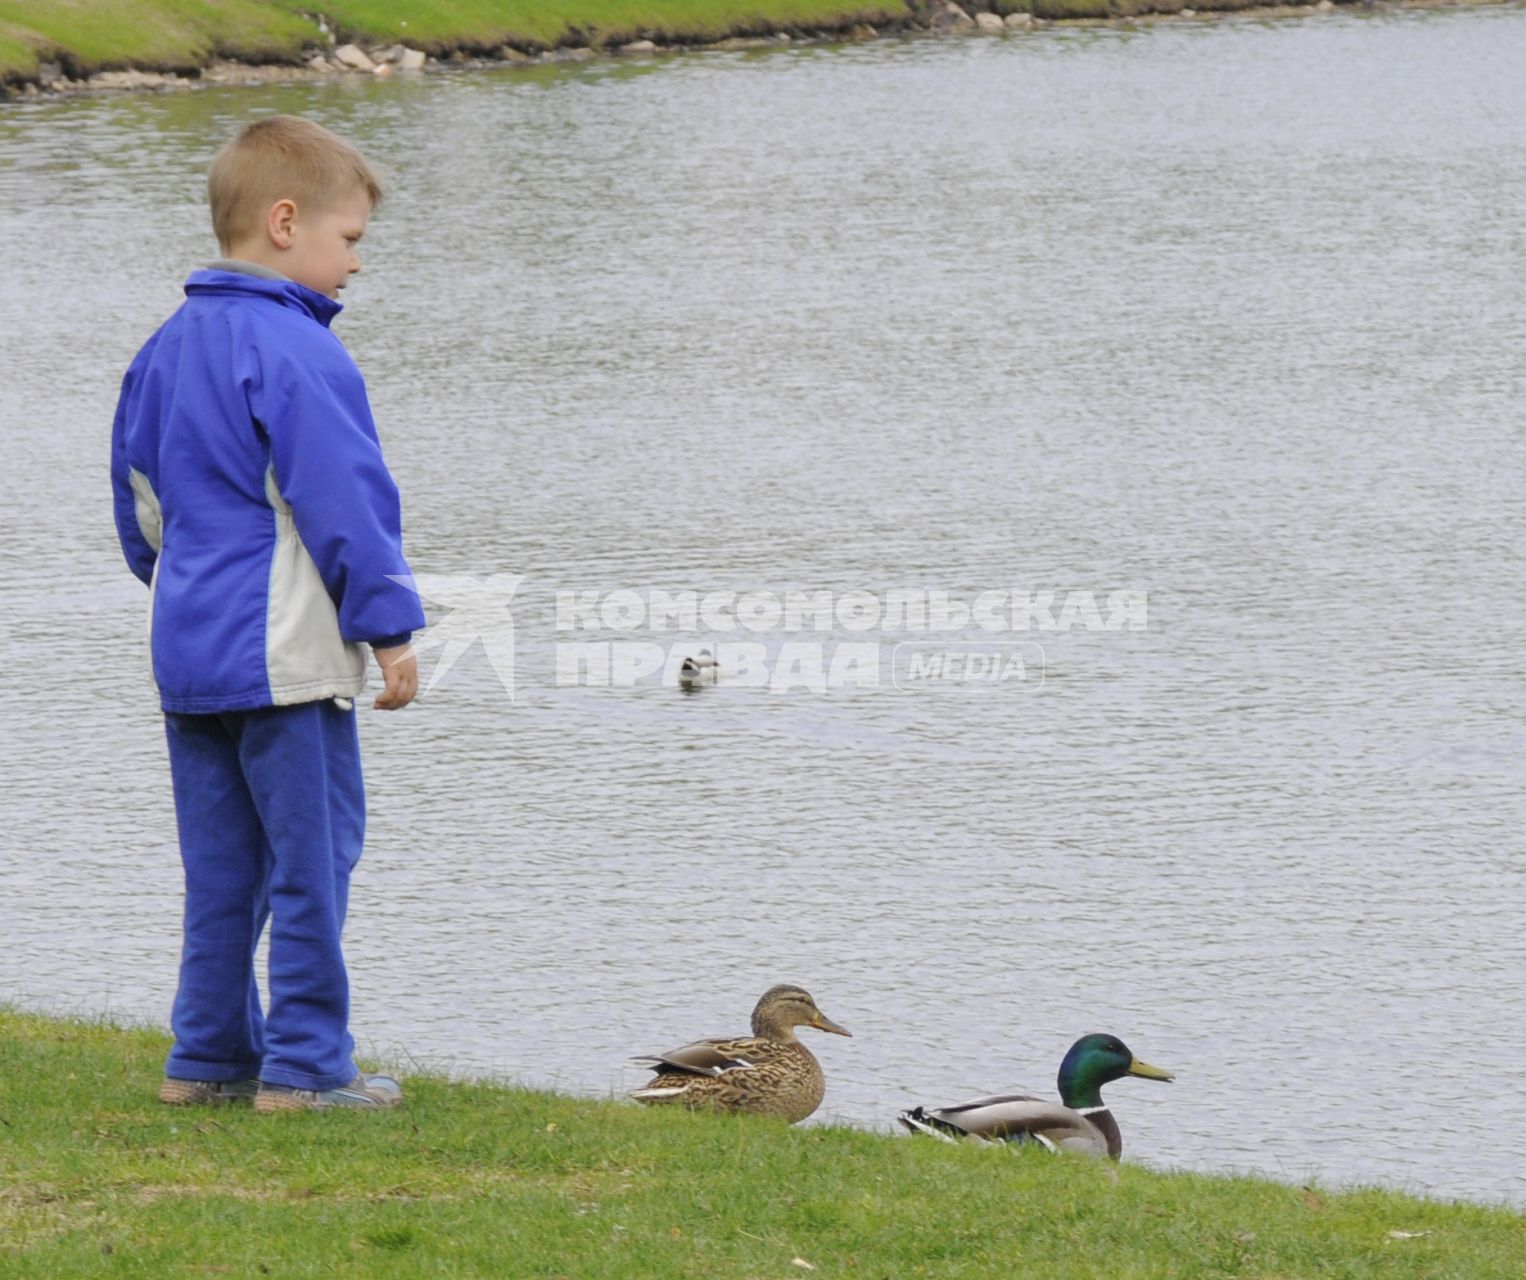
x: 90, y: 35
x: 97, y: 1179
x: 441, y: 24
x: 93, y: 35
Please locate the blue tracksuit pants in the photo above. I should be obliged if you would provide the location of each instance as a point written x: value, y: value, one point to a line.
x: 271, y: 811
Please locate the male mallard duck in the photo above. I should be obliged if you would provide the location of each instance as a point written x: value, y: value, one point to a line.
x: 1083, y: 1124
x: 697, y: 669
x: 768, y: 1073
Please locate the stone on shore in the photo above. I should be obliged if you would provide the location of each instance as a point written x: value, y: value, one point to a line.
x: 129, y: 80
x: 412, y: 60
x: 226, y: 71
x: 863, y: 31
x: 989, y: 24
x: 952, y: 18
x: 354, y: 57
x: 638, y: 47
x: 319, y: 63
x: 392, y: 53
x: 1018, y: 22
x: 510, y: 54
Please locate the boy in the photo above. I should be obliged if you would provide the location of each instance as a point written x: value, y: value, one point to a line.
x: 251, y: 497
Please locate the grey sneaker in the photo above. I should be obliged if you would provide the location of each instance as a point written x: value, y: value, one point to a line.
x: 206, y: 1093
x: 363, y: 1091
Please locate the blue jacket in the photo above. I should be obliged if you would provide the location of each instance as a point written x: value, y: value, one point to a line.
x: 251, y: 495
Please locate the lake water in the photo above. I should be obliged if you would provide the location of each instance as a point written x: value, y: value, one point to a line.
x: 1230, y: 314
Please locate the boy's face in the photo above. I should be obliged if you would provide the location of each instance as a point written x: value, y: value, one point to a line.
x: 323, y: 243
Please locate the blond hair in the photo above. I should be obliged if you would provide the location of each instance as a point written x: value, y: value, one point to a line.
x: 281, y: 158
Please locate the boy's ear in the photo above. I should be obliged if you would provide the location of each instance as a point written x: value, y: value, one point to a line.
x: 279, y: 221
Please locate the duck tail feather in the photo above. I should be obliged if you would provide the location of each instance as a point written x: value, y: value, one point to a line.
x: 918, y: 1121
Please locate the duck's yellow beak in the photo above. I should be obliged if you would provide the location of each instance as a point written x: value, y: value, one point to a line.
x: 823, y: 1023
x: 1138, y: 1068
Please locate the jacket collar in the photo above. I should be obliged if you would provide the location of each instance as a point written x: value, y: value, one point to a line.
x: 243, y: 267
x: 222, y: 279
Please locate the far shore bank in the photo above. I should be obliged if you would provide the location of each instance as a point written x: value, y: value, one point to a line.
x: 166, y: 45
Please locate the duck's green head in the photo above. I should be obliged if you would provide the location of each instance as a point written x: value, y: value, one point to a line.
x: 1093, y: 1061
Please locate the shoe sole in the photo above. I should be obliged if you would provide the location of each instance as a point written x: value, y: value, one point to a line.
x: 267, y: 1103
x: 196, y: 1093
x: 270, y: 1103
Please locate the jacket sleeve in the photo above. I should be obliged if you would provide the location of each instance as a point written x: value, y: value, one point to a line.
x: 132, y: 509
x: 328, y: 466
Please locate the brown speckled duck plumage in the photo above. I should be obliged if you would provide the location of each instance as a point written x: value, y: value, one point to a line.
x: 769, y: 1073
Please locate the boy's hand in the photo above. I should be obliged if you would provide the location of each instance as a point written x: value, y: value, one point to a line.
x: 400, y: 669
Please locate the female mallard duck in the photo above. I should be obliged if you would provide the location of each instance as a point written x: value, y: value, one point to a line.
x: 1082, y: 1124
x: 768, y: 1073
